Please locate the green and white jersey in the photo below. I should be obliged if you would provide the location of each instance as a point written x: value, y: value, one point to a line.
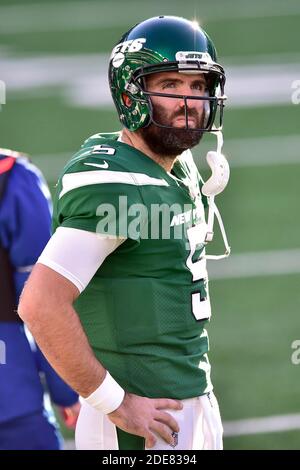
x: 145, y: 309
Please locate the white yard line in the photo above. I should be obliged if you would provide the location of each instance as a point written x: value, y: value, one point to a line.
x: 81, y: 80
x: 68, y: 16
x: 255, y: 151
x: 241, y: 153
x: 264, y: 263
x: 264, y: 425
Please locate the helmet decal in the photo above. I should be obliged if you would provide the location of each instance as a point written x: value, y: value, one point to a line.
x: 188, y: 55
x: 118, y: 52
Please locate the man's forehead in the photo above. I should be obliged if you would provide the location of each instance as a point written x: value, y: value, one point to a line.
x: 173, y: 75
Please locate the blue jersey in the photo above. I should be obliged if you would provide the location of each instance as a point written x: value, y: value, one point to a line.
x: 25, y: 219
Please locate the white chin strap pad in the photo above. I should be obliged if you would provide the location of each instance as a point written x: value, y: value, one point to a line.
x: 220, y: 174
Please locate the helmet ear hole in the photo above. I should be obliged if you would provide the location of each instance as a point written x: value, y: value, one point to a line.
x: 126, y: 100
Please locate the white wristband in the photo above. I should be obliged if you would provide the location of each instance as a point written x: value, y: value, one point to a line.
x: 107, y: 397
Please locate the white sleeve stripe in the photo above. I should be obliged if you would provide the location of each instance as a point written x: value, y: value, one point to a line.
x: 64, y: 272
x: 84, y: 178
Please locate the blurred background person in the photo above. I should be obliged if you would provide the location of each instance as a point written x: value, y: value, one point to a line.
x: 27, y: 420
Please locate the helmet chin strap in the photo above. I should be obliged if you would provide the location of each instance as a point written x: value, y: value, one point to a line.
x: 213, y: 186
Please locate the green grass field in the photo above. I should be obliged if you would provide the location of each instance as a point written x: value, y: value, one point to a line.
x: 255, y: 318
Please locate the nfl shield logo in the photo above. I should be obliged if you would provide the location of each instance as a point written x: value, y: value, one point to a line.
x: 175, y: 437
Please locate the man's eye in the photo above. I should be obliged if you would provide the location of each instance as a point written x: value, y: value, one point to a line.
x: 168, y: 85
x: 200, y: 86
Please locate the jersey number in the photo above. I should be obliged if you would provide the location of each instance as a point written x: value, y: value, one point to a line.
x: 102, y: 150
x: 200, y: 298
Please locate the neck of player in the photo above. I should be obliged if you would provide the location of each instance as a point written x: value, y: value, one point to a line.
x: 136, y: 141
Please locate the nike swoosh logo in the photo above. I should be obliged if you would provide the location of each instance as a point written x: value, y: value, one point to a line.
x: 103, y: 165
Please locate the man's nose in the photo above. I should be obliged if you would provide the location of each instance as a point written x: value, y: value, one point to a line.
x: 191, y: 103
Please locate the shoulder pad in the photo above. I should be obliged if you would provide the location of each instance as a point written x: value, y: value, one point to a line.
x: 98, y: 139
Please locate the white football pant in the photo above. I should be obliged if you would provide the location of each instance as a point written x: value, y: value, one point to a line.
x: 199, y: 421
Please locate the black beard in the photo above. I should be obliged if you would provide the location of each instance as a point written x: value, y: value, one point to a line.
x: 170, y: 142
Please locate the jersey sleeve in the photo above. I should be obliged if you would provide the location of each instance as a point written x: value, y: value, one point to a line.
x: 97, y: 194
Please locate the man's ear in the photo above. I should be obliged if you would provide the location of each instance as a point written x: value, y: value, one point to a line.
x: 126, y: 100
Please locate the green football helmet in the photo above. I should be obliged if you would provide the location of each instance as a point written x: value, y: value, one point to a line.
x: 164, y: 44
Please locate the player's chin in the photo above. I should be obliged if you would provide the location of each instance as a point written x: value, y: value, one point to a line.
x: 186, y: 138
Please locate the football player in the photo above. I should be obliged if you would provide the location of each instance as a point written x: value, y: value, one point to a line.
x: 119, y: 298
x: 26, y: 422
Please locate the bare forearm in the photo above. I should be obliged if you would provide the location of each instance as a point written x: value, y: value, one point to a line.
x: 56, y: 327
x: 65, y: 346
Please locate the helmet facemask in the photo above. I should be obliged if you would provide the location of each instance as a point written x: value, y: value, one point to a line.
x: 128, y: 76
x: 213, y: 98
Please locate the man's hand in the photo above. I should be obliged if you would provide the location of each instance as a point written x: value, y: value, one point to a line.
x: 69, y: 415
x: 143, y: 416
